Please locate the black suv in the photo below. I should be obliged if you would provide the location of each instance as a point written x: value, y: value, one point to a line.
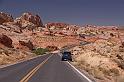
x: 66, y: 56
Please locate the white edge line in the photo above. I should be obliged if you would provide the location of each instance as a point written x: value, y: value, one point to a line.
x: 80, y: 72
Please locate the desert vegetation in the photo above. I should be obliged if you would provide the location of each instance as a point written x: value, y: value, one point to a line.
x: 26, y: 36
x: 40, y: 51
x: 102, y: 59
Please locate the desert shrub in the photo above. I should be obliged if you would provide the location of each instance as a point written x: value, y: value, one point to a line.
x: 98, y: 74
x: 110, y: 72
x: 40, y: 51
x: 6, y: 52
x: 105, y: 71
x: 115, y: 71
x: 120, y: 79
x: 120, y: 63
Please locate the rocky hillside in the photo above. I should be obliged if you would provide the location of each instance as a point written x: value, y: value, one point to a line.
x: 11, y: 55
x: 103, y: 57
x: 27, y: 32
x: 62, y: 29
x: 15, y: 38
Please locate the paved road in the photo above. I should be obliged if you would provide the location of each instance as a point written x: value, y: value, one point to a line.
x: 47, y: 68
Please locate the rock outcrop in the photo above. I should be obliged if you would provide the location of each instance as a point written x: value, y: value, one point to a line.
x: 11, y: 26
x: 56, y: 25
x: 4, y: 17
x: 52, y: 48
x: 6, y: 41
x: 102, y: 59
x: 59, y: 29
x: 26, y: 45
x: 27, y: 21
x: 30, y: 21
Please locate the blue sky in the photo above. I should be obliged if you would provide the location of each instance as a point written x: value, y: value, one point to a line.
x: 80, y: 12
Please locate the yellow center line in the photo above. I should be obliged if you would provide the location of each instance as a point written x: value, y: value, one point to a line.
x: 33, y: 71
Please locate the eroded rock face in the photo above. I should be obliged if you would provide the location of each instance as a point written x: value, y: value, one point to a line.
x: 29, y: 20
x: 11, y: 26
x: 24, y: 44
x: 62, y: 29
x: 6, y: 41
x: 56, y: 25
x: 52, y: 48
x: 4, y: 17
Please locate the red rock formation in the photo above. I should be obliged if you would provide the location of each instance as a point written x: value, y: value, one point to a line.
x: 12, y: 26
x: 52, y: 48
x: 57, y: 25
x: 25, y: 45
x: 5, y: 18
x: 62, y: 29
x: 6, y: 41
x: 30, y: 18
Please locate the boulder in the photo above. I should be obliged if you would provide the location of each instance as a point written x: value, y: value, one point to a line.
x: 25, y: 45
x: 6, y: 41
x: 4, y: 17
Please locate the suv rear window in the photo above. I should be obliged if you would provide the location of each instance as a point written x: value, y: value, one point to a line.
x: 69, y: 53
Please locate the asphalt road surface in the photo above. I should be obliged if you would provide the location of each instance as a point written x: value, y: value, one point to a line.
x: 47, y: 68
